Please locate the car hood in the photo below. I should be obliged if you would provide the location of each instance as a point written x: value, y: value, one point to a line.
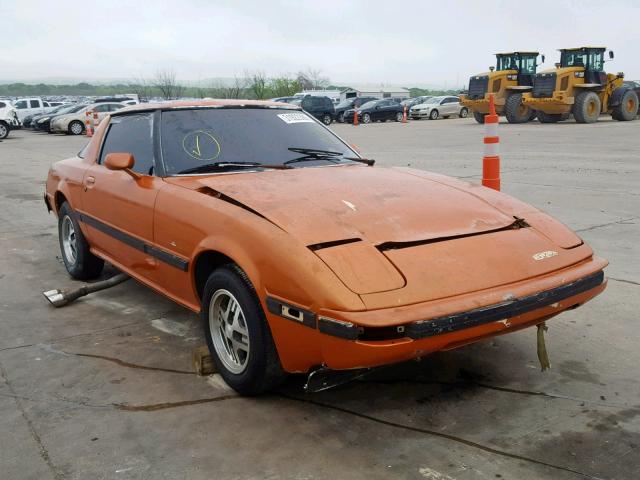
x: 378, y: 205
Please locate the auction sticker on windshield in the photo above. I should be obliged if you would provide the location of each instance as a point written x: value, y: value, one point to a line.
x: 295, y: 117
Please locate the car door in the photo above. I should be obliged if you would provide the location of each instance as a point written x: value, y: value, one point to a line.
x: 454, y: 105
x: 117, y: 206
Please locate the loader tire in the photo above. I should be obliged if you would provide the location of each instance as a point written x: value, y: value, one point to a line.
x: 515, y: 110
x: 628, y: 108
x: 479, y: 117
x: 587, y: 107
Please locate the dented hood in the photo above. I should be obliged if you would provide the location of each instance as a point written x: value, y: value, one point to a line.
x: 378, y: 205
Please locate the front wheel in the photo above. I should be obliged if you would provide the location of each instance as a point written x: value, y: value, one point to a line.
x: 586, y: 108
x: 76, y: 128
x: 464, y: 112
x: 4, y: 130
x: 399, y: 117
x: 434, y: 115
x: 479, y: 117
x: 237, y: 333
x: 326, y: 119
x: 366, y: 118
x: 515, y: 110
x: 341, y: 118
x: 78, y: 259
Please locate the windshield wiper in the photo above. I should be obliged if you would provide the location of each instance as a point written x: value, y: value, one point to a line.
x: 315, y: 152
x: 221, y: 165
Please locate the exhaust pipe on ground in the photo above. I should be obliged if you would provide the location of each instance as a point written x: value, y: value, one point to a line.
x: 60, y: 298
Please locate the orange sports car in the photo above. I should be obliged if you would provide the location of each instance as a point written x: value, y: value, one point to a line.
x: 296, y: 251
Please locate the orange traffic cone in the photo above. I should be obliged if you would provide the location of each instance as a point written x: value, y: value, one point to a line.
x: 404, y: 114
x: 88, y: 130
x: 491, y: 159
x: 355, y: 117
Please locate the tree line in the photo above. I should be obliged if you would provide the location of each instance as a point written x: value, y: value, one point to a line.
x: 165, y: 84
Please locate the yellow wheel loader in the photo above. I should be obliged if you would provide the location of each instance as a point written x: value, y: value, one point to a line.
x: 579, y: 86
x: 512, y: 77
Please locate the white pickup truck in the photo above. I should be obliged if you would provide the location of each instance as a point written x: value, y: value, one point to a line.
x: 8, y: 119
x: 31, y: 106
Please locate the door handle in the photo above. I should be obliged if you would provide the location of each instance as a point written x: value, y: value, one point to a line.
x: 89, y: 181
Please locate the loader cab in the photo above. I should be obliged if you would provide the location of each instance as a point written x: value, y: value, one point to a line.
x: 523, y: 62
x: 589, y: 58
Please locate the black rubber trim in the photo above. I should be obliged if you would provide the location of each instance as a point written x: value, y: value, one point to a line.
x: 275, y: 306
x: 501, y: 311
x: 337, y: 328
x: 162, y: 255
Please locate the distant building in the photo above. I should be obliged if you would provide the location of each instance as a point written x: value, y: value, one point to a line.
x: 395, y: 93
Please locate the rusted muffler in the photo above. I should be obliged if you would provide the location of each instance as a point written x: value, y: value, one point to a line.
x: 60, y: 298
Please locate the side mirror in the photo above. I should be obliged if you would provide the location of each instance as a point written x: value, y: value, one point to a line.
x: 491, y: 68
x: 121, y: 161
x: 542, y: 57
x: 611, y: 54
x: 377, y: 107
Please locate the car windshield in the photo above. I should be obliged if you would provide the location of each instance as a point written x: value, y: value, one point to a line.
x: 369, y: 104
x: 245, y: 137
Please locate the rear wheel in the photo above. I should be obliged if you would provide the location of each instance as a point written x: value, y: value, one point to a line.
x: 434, y: 115
x: 587, y: 107
x: 464, y: 112
x: 78, y: 259
x: 4, y: 130
x: 237, y: 333
x: 549, y: 117
x: 628, y: 108
x: 479, y: 117
x: 76, y: 128
x: 515, y: 110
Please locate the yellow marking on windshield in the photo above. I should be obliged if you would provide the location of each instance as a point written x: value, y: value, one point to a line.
x: 201, y: 145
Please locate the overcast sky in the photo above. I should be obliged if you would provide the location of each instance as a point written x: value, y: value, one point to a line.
x: 373, y: 42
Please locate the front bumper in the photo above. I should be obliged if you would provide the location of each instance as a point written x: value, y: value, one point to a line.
x: 344, y: 340
x: 554, y: 105
x: 482, y: 105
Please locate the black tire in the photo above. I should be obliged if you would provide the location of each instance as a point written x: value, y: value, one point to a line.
x: 549, y: 117
x: 515, y: 111
x: 399, y: 117
x: 366, y: 118
x: 479, y: 117
x: 586, y: 108
x: 327, y: 119
x: 434, y: 114
x: 75, y: 128
x: 532, y: 115
x: 262, y: 371
x: 464, y: 112
x: 85, y: 265
x: 4, y: 130
x: 628, y: 108
x: 340, y: 118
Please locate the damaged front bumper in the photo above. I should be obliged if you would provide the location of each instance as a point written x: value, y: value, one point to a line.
x: 346, y: 340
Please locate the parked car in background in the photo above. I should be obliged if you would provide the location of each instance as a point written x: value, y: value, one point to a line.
x: 8, y: 119
x: 73, y: 123
x: 320, y: 107
x: 31, y: 106
x: 376, y: 111
x: 350, y: 104
x: 43, y: 122
x: 29, y: 120
x: 410, y: 102
x: 285, y: 99
x: 437, y: 107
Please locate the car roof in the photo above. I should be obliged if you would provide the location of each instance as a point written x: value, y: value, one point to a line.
x: 188, y: 104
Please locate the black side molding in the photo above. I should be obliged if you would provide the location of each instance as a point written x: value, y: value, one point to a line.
x: 291, y: 312
x: 501, y: 311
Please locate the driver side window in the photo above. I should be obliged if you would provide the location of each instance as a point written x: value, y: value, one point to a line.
x: 131, y: 134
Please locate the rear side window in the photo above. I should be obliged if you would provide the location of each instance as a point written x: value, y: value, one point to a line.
x: 35, y: 104
x: 131, y: 134
x: 2, y: 104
